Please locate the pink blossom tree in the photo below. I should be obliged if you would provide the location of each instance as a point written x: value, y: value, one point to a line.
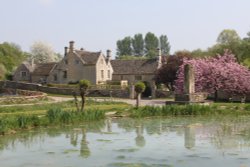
x: 217, y: 73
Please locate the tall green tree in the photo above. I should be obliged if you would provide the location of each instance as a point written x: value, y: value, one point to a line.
x: 124, y: 47
x: 138, y: 45
x: 11, y: 55
x: 164, y: 45
x: 151, y: 45
x: 228, y: 36
x: 247, y: 38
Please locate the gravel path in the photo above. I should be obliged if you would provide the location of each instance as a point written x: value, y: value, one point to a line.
x: 57, y: 99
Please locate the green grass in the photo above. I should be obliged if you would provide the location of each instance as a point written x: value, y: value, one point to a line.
x: 192, y: 110
x: 25, y: 117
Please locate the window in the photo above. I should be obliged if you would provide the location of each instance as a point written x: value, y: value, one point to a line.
x: 66, y: 61
x: 102, y: 74
x: 138, y: 77
x: 77, y: 62
x: 23, y: 73
x: 55, y: 77
x: 109, y: 74
x: 64, y: 74
x: 102, y: 61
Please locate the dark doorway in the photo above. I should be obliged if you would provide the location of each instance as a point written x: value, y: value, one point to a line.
x: 148, y: 91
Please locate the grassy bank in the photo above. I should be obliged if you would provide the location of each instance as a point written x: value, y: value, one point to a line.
x: 192, y: 110
x: 15, y: 118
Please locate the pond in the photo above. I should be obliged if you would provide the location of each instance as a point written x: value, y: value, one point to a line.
x: 157, y: 142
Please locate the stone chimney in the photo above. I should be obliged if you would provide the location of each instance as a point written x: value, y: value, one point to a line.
x: 32, y: 63
x: 108, y: 56
x: 71, y: 46
x: 159, y: 56
x: 65, y: 50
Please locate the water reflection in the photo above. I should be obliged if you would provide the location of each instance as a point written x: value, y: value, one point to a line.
x: 84, y: 150
x: 189, y: 136
x: 138, y: 138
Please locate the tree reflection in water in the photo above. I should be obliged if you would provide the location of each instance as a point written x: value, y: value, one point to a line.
x: 84, y: 150
x: 140, y: 140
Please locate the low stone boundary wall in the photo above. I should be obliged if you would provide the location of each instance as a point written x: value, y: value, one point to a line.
x: 120, y: 93
x: 14, y: 96
x: 164, y: 94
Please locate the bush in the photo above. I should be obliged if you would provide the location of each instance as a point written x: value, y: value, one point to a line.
x: 140, y: 87
x: 85, y: 84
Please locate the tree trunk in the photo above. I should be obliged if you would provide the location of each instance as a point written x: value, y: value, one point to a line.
x: 83, y: 101
x: 138, y: 98
x: 76, y: 101
x: 216, y: 95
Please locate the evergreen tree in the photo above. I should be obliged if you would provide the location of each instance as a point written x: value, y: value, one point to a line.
x: 151, y: 45
x: 124, y: 47
x: 164, y: 45
x: 138, y: 45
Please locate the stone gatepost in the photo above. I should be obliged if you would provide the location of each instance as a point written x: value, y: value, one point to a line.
x: 132, y: 91
x: 153, y: 89
x: 189, y: 79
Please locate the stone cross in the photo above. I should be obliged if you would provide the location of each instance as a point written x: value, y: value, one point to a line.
x: 189, y: 80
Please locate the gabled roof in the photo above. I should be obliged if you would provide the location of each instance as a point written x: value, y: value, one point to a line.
x: 29, y: 66
x: 43, y: 68
x: 88, y: 57
x: 136, y: 67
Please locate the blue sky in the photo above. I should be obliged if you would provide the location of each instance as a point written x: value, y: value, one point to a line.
x: 97, y: 24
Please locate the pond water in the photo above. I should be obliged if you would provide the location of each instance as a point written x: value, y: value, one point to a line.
x: 157, y: 142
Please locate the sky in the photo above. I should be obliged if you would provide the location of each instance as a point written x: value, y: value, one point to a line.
x: 97, y: 24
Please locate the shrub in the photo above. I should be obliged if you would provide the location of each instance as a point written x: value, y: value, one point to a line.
x: 140, y: 87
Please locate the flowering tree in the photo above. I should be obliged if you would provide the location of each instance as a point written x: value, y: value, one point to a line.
x: 217, y: 73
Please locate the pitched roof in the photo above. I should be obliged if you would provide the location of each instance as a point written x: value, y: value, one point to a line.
x: 88, y: 57
x: 44, y: 68
x: 29, y: 66
x: 136, y: 67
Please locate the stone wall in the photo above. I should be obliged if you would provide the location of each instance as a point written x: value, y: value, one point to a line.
x: 120, y: 93
x: 164, y: 94
x: 193, y: 97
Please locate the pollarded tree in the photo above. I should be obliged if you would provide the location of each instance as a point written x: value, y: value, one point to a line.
x: 139, y: 88
x: 83, y: 86
x: 221, y: 73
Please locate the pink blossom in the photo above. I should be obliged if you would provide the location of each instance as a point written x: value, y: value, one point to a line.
x: 217, y: 73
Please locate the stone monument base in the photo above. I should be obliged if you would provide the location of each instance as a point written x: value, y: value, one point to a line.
x: 193, y: 98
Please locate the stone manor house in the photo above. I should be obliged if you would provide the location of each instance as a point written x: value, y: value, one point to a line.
x: 93, y: 66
